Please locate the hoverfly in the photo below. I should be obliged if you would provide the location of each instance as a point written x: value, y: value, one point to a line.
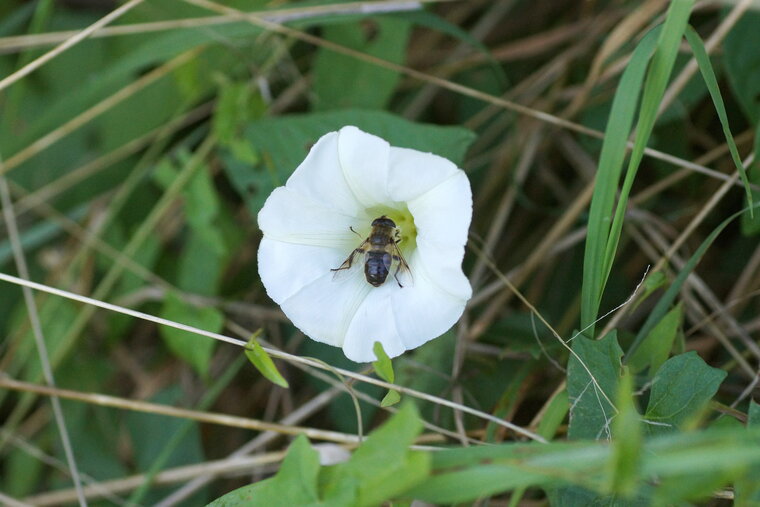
x: 380, y: 251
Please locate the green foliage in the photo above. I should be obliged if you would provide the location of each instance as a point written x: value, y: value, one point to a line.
x: 341, y: 81
x: 194, y: 349
x: 294, y: 484
x: 260, y: 100
x: 261, y: 360
x: 465, y: 474
x: 656, y: 346
x: 680, y: 389
x: 591, y: 408
x: 384, y: 369
x: 160, y: 441
x: 608, y: 174
x: 603, y: 235
x: 380, y: 469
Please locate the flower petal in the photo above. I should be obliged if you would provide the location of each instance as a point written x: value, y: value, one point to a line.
x: 441, y: 265
x: 424, y: 311
x: 374, y: 322
x: 442, y: 214
x: 364, y: 159
x: 324, y: 308
x: 291, y: 217
x: 412, y: 173
x: 286, y: 268
x: 320, y: 177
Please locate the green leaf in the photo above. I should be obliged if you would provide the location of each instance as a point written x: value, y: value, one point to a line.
x: 383, y: 366
x: 294, y: 484
x: 283, y: 142
x: 261, y: 360
x: 391, y: 398
x: 384, y: 369
x: 383, y: 466
x: 194, y: 349
x: 681, y: 388
x: 590, y: 409
x: 371, y: 86
x: 656, y: 347
x: 238, y: 104
x: 705, y: 67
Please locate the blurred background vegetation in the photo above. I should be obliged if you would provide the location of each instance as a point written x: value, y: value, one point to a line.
x: 138, y: 159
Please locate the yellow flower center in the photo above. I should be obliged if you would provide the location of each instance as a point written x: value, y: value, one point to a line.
x: 407, y: 230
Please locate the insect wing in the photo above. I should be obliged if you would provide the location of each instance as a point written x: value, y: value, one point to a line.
x: 402, y: 273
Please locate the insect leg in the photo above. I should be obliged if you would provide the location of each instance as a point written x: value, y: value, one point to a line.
x: 395, y: 273
x: 399, y: 257
x: 347, y: 263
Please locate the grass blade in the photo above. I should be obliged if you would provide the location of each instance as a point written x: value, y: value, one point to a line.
x: 610, y: 167
x: 602, y: 243
x: 705, y: 67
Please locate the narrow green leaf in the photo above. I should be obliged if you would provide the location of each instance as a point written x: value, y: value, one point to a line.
x: 658, y: 75
x: 681, y: 388
x: 607, y: 177
x: 705, y: 67
x: 554, y: 414
x: 261, y: 360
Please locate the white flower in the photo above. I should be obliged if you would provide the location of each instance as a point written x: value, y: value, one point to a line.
x: 349, y: 179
